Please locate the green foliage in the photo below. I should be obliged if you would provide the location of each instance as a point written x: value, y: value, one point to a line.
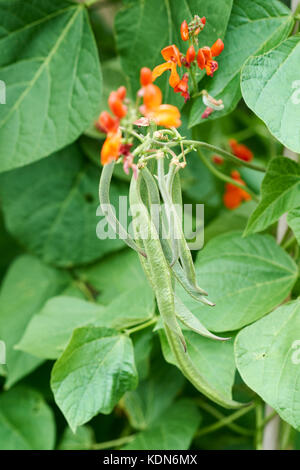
x: 26, y: 421
x: 47, y: 83
x: 246, y: 278
x: 273, y: 75
x: 55, y: 216
x: 267, y: 355
x: 280, y: 192
x: 93, y: 373
x: 254, y: 27
x: 90, y: 331
x: 174, y: 430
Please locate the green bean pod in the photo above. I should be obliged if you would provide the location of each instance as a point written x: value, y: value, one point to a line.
x: 154, y: 198
x: 185, y: 254
x: 192, y: 373
x: 156, y: 265
x: 104, y: 198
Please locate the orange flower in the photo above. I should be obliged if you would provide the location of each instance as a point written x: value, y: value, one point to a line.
x: 184, y: 31
x: 183, y: 87
x: 111, y: 148
x: 234, y: 196
x: 106, y: 123
x: 121, y: 92
x: 190, y: 55
x: 241, y: 151
x: 171, y: 55
x: 145, y: 76
x: 217, y: 159
x: 163, y: 114
x: 116, y: 104
x: 206, y: 55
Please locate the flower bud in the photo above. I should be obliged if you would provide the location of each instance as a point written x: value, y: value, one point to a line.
x: 184, y: 31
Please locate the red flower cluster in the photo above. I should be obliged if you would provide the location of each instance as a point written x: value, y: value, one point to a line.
x: 234, y: 196
x: 163, y: 114
x: 241, y: 151
x: 110, y: 125
x: 173, y: 57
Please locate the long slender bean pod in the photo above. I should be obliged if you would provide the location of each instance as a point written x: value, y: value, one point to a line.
x: 104, y: 198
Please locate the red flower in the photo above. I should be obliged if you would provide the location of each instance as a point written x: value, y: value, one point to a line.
x: 116, y: 104
x: 106, y: 123
x: 218, y: 160
x: 206, y: 55
x: 183, y: 87
x: 163, y: 114
x: 111, y: 148
x: 190, y: 55
x: 241, y: 151
x: 234, y: 196
x: 184, y: 31
x: 171, y: 55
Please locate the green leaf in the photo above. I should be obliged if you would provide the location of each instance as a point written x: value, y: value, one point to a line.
x: 55, y: 215
x: 83, y: 439
x: 280, y: 192
x: 267, y: 357
x: 27, y: 285
x: 26, y: 421
x: 293, y: 220
x: 254, y: 27
x: 245, y: 277
x: 213, y: 359
x: 114, y: 275
x: 145, y: 404
x: 156, y: 25
x: 172, y: 431
x: 53, y: 84
x: 270, y: 86
x: 93, y: 373
x: 48, y: 332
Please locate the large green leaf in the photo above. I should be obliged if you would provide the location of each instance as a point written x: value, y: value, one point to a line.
x: 27, y: 285
x: 293, y: 220
x: 270, y: 86
x: 213, y: 359
x: 50, y: 66
x: 114, y: 275
x: 173, y: 430
x: 26, y: 421
x: 245, y: 277
x: 267, y: 356
x: 280, y: 192
x: 82, y: 439
x: 140, y: 38
x: 93, y: 373
x: 254, y: 27
x: 48, y: 332
x: 50, y: 207
x: 145, y: 404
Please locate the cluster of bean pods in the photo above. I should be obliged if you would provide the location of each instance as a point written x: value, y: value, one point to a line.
x: 165, y: 260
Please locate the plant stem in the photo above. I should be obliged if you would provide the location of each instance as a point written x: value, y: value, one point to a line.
x: 114, y: 443
x: 289, y: 243
x: 226, y: 178
x: 224, y: 154
x: 142, y: 326
x: 217, y: 414
x: 259, y: 427
x: 224, y: 421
